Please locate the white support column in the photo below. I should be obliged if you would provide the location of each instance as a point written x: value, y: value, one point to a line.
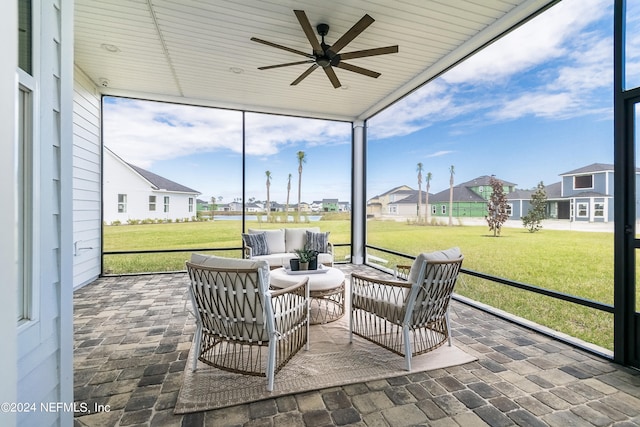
x: 358, y: 209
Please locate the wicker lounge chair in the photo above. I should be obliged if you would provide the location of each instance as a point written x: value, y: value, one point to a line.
x: 407, y: 317
x: 242, y: 326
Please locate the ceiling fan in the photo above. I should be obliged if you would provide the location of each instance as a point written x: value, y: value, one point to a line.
x: 328, y: 56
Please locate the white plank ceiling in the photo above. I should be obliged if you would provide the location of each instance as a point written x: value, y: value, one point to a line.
x: 199, y: 51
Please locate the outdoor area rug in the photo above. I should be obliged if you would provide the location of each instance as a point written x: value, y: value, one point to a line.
x: 331, y: 361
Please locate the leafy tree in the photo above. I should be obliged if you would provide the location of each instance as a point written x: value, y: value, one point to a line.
x: 426, y: 202
x: 537, y: 211
x: 301, y: 159
x: 451, y: 172
x: 420, y: 169
x: 497, y: 206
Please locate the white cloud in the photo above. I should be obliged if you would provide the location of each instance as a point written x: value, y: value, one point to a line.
x: 550, y: 67
x: 440, y: 153
x: 143, y: 131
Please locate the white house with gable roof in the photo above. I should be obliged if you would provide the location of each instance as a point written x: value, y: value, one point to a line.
x: 133, y: 193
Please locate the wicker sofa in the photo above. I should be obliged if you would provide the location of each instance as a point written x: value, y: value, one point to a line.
x: 281, y: 244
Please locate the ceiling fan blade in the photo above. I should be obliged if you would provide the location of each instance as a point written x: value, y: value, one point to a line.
x: 353, y: 32
x: 304, y: 75
x: 268, y: 67
x: 308, y: 31
x: 369, y: 52
x: 279, y: 46
x: 358, y: 70
x: 332, y: 77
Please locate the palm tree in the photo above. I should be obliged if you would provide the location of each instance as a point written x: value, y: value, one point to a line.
x: 268, y: 174
x: 420, y: 169
x: 452, y: 172
x: 301, y: 159
x: 286, y: 208
x: 426, y: 202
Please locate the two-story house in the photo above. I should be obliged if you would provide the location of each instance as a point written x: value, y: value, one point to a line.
x: 382, y: 204
x: 469, y: 198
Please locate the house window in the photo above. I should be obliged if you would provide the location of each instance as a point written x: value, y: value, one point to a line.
x: 190, y: 204
x: 433, y: 209
x: 583, y: 210
x: 598, y: 209
x: 444, y: 209
x: 509, y: 209
x: 27, y: 167
x: 26, y: 171
x: 122, y: 203
x: 166, y: 203
x: 582, y: 182
x: 25, y: 36
x: 152, y: 203
x: 393, y: 209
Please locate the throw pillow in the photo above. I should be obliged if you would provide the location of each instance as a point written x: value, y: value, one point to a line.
x: 317, y: 241
x: 275, y: 239
x: 257, y: 242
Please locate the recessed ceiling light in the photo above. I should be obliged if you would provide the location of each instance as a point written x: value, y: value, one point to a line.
x: 110, y: 47
x: 236, y: 70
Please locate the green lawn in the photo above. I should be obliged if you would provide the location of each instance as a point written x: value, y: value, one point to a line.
x: 572, y: 262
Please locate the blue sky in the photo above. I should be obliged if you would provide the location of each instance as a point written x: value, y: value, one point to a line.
x: 535, y: 104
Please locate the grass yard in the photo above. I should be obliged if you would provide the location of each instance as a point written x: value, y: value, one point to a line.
x: 572, y: 262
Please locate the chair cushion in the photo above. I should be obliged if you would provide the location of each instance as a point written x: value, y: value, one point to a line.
x: 275, y: 239
x: 317, y: 241
x: 222, y: 262
x: 388, y: 310
x: 452, y: 253
x: 257, y: 242
x: 296, y: 238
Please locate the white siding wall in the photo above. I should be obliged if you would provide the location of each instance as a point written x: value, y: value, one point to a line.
x: 87, y: 185
x: 45, y: 342
x: 121, y: 179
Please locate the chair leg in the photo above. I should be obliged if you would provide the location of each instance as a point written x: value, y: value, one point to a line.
x: 407, y: 347
x: 271, y: 363
x: 197, y: 340
x: 350, y: 325
x: 446, y: 318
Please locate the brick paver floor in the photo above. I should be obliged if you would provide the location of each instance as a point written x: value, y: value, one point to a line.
x: 133, y: 334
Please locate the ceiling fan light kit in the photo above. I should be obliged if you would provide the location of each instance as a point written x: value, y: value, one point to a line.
x: 327, y: 56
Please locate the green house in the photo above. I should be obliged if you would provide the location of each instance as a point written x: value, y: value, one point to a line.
x: 469, y: 198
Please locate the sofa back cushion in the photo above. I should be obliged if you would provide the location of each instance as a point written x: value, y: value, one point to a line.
x: 296, y: 238
x: 275, y: 239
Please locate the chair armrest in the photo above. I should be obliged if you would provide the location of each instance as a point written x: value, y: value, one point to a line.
x: 291, y: 306
x: 248, y: 252
x: 298, y: 288
x: 368, y: 281
x: 402, y: 271
x: 330, y: 248
x: 370, y: 288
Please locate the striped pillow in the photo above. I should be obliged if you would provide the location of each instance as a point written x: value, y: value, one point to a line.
x: 317, y: 241
x: 257, y: 242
